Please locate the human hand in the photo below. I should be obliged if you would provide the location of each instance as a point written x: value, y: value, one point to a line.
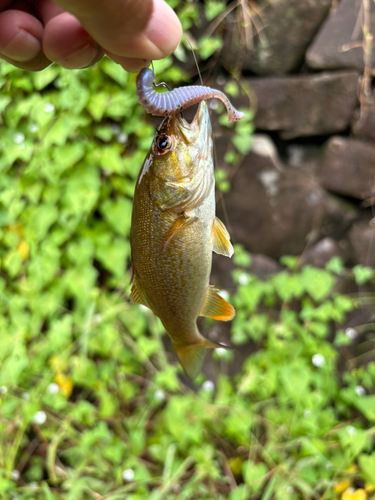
x: 76, y: 33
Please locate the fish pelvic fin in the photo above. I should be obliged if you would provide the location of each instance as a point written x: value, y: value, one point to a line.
x: 220, y: 239
x: 136, y: 294
x: 216, y: 307
x: 191, y: 356
x: 179, y: 224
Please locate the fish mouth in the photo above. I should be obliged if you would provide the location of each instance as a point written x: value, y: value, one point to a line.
x: 199, y: 128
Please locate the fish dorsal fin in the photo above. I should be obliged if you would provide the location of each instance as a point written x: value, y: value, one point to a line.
x: 178, y: 225
x: 136, y: 294
x: 220, y: 239
x: 191, y: 356
x: 216, y: 307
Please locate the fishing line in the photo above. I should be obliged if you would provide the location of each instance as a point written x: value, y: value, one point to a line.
x: 195, y: 58
x: 225, y: 213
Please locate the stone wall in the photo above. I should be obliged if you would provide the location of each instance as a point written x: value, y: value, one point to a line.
x: 308, y: 185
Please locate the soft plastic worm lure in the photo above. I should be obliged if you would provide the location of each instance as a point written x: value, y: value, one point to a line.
x: 174, y: 101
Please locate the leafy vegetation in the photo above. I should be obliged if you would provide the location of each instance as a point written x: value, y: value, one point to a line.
x: 90, y: 405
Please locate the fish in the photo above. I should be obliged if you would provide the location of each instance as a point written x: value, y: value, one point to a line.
x: 173, y: 233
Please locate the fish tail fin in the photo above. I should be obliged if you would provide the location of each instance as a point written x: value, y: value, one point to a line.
x: 191, y: 356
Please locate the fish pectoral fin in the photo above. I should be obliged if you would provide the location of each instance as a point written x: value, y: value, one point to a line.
x: 220, y: 239
x: 191, y: 356
x: 136, y: 294
x: 178, y: 225
x: 216, y: 307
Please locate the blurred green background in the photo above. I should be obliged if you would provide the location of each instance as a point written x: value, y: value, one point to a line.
x: 91, y: 405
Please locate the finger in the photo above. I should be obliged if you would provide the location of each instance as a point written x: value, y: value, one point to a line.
x: 66, y: 42
x: 129, y: 63
x: 20, y: 40
x: 143, y: 29
x: 46, y: 10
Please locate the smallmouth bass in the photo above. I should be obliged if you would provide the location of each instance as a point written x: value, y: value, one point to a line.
x: 173, y: 233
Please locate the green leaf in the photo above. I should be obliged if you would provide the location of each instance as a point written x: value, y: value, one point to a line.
x: 362, y: 274
x: 209, y: 45
x: 213, y: 8
x: 118, y: 214
x: 367, y: 465
x: 243, y: 142
x: 254, y: 474
x: 335, y: 265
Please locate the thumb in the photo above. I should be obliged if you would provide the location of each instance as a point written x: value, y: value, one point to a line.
x: 143, y: 29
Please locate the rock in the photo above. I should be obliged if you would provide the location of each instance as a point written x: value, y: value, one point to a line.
x: 363, y: 125
x: 362, y: 239
x: 342, y: 29
x: 348, y: 167
x: 274, y: 210
x: 263, y: 267
x: 322, y: 252
x: 305, y: 105
x: 286, y: 28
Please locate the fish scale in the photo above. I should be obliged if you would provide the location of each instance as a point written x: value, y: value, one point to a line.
x: 173, y: 233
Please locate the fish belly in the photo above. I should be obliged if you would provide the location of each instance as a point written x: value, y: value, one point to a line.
x: 174, y: 278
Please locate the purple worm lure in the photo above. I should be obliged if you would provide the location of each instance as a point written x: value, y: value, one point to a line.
x: 174, y: 101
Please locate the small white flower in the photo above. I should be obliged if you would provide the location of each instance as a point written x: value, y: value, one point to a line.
x: 159, y: 395
x: 128, y: 475
x: 53, y: 388
x: 220, y: 351
x: 18, y: 138
x: 243, y: 279
x: 318, y: 360
x: 351, y: 430
x: 49, y: 107
x: 122, y: 138
x: 40, y: 417
x: 25, y: 396
x: 208, y: 386
x: 33, y: 127
x: 290, y: 489
x: 223, y: 294
x: 213, y: 104
x: 360, y: 391
x: 15, y: 475
x: 351, y: 333
x: 33, y: 485
x: 176, y: 488
x: 307, y: 413
x: 3, y: 389
x: 97, y: 319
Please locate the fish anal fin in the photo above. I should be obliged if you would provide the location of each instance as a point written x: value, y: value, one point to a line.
x: 191, y: 356
x: 179, y: 224
x: 136, y: 294
x: 220, y: 239
x: 216, y: 307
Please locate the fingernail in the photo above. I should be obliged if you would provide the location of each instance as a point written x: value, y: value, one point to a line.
x: 164, y: 29
x: 23, y: 47
x: 83, y: 57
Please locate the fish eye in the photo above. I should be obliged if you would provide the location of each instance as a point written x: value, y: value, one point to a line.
x: 163, y: 144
